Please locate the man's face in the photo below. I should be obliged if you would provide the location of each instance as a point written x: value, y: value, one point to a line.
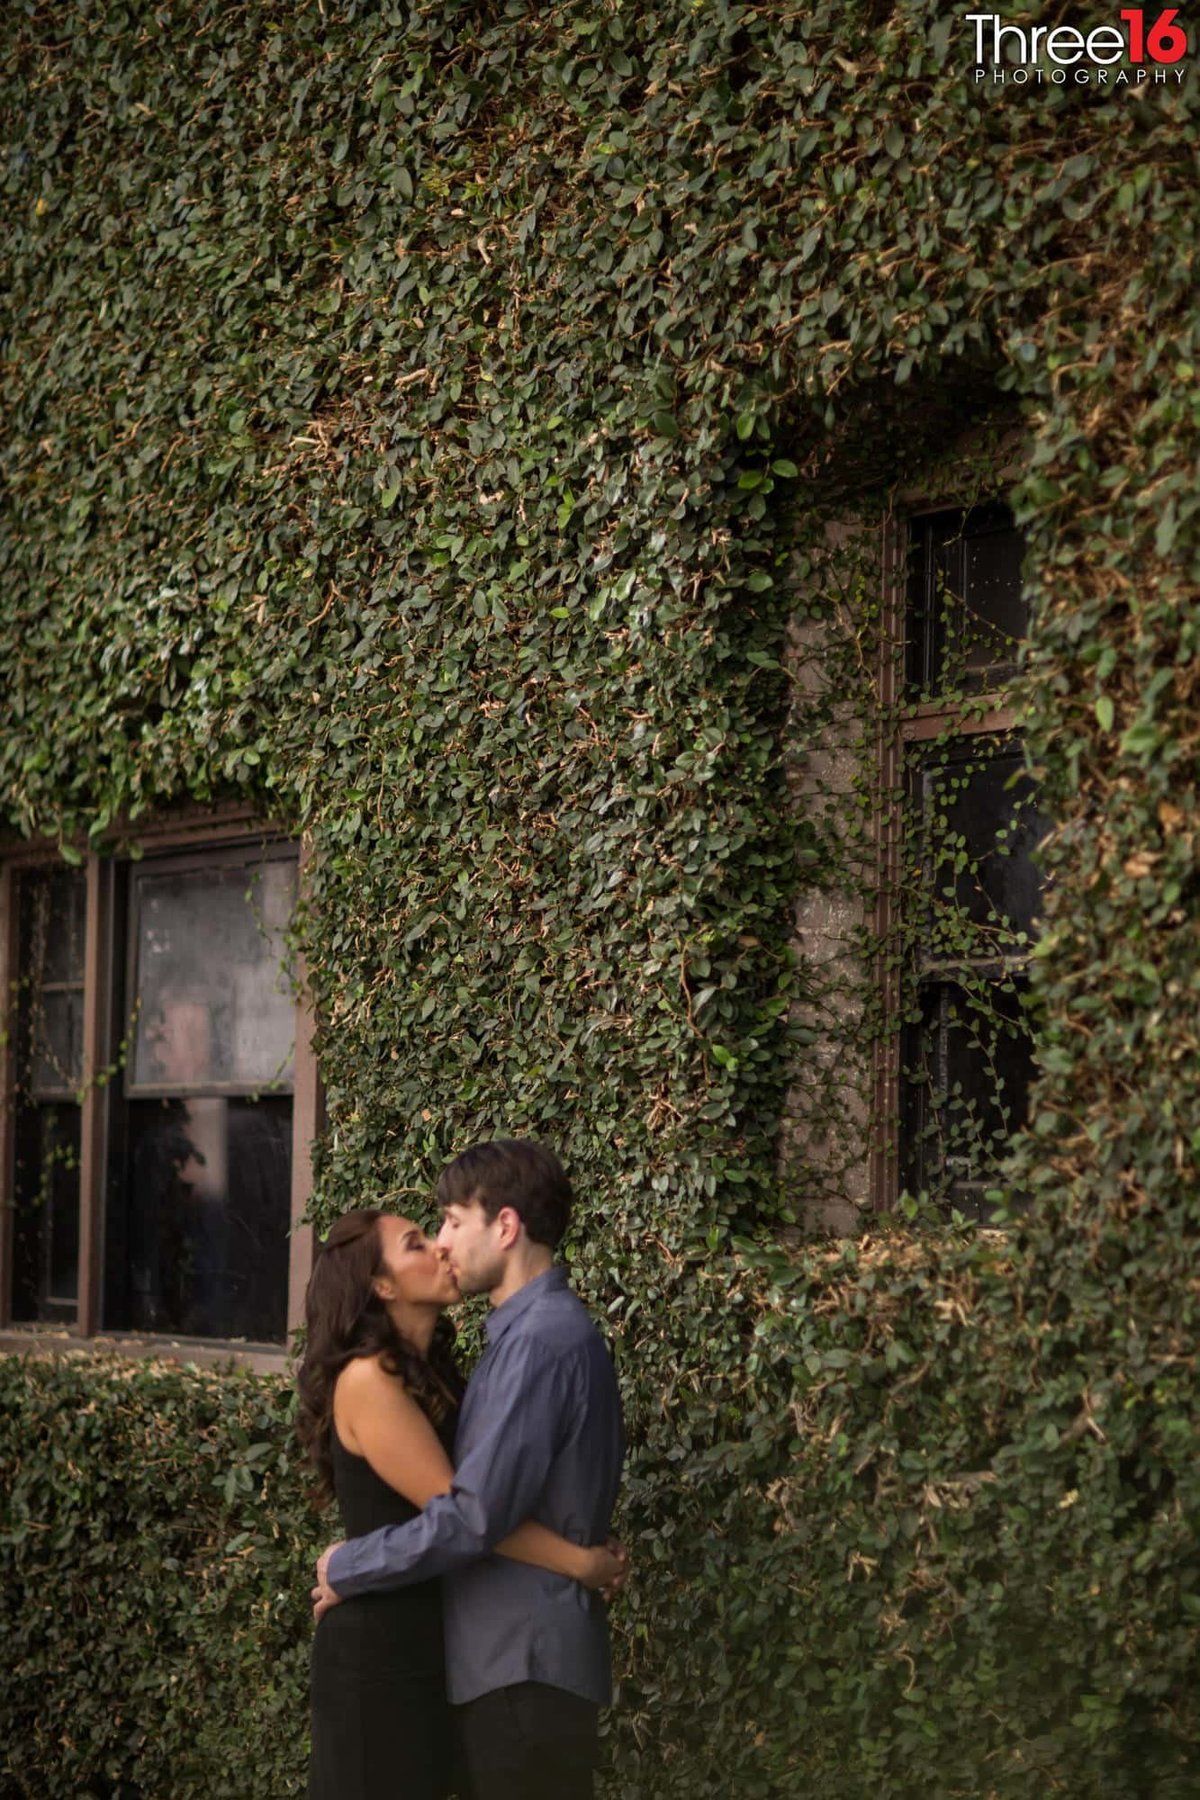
x: 472, y: 1242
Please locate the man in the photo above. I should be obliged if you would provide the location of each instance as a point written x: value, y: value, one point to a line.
x: 539, y: 1436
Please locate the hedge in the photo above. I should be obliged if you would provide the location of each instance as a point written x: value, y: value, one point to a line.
x: 412, y: 413
x: 909, y: 1529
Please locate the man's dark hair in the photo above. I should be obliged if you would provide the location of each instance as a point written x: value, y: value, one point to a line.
x: 514, y: 1172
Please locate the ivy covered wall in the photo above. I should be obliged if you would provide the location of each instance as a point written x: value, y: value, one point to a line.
x: 411, y: 412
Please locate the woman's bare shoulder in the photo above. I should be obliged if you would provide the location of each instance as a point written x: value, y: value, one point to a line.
x: 364, y: 1391
x: 364, y: 1381
x: 368, y: 1379
x: 365, y: 1374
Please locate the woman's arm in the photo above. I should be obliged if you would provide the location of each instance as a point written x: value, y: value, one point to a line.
x: 378, y: 1418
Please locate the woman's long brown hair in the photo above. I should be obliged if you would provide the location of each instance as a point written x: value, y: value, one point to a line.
x: 345, y: 1318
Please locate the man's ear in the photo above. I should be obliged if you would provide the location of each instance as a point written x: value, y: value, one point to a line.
x: 509, y: 1221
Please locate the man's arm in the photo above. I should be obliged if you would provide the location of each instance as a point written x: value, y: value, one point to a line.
x: 496, y: 1486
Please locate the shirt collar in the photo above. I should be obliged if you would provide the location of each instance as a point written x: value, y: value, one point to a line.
x: 502, y: 1316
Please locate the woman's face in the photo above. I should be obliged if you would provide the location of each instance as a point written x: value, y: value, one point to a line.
x: 415, y: 1270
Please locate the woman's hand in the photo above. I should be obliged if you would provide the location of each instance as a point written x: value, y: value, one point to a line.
x: 606, y: 1568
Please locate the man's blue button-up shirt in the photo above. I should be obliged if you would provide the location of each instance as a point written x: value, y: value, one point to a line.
x: 539, y: 1437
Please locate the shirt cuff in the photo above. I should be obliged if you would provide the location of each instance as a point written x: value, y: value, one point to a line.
x: 340, y: 1569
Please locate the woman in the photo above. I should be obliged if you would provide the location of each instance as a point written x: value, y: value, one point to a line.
x: 379, y: 1395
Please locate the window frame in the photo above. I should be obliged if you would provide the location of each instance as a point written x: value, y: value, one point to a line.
x: 198, y: 832
x: 901, y: 726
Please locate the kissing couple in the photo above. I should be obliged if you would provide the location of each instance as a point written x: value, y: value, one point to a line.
x: 461, y: 1645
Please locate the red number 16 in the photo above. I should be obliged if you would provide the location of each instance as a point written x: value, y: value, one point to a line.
x: 1167, y: 41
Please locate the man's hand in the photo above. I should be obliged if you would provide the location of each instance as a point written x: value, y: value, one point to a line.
x: 323, y: 1596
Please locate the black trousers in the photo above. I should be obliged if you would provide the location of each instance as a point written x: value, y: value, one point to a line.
x: 529, y: 1742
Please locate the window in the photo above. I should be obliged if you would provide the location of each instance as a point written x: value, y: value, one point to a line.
x: 161, y: 1093
x: 958, y: 878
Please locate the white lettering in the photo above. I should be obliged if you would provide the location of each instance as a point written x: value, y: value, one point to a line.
x: 1063, y: 45
x: 979, y: 20
x: 1062, y: 39
x: 1000, y: 32
x: 1111, y: 39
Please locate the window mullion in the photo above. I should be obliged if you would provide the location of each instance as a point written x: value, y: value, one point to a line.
x: 8, y: 965
x: 307, y: 1121
x: 97, y: 983
x: 978, y: 717
x: 883, y: 1169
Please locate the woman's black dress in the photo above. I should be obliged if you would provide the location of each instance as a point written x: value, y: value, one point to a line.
x: 381, y: 1727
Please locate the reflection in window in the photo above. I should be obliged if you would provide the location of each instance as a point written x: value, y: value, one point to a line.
x: 200, y: 1139
x: 198, y: 1239
x: 214, y: 1009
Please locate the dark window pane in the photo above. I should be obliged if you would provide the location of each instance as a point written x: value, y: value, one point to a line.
x: 966, y: 615
x: 993, y: 612
x: 48, y: 1044
x: 57, y: 1049
x: 198, y: 1227
x: 214, y: 1012
x: 46, y: 1219
x: 977, y: 829
x: 52, y: 906
x: 967, y: 1068
x: 59, y: 901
